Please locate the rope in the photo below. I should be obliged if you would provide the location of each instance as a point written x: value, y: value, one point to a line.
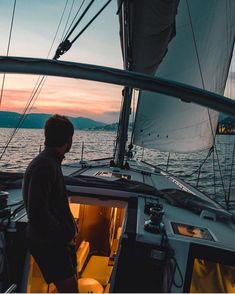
x: 199, y: 65
x: 58, y: 27
x: 133, y: 116
x: 66, y: 44
x: 168, y: 160
x: 199, y: 168
x: 80, y: 18
x: 64, y: 34
x: 34, y: 94
x: 203, y: 84
x: 213, y: 164
x: 90, y: 22
x: 231, y: 174
x: 221, y: 177
x: 21, y: 120
x: 8, y: 48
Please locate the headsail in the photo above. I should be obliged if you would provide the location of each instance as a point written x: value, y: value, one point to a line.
x: 199, y: 55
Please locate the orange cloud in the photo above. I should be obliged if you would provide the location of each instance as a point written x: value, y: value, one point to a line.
x: 70, y: 97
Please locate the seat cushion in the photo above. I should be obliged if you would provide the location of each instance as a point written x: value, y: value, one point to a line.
x: 88, y: 285
x: 98, y: 269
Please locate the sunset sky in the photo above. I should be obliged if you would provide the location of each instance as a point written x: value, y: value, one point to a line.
x: 34, y: 28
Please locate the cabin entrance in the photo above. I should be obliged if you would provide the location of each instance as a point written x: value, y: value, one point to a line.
x: 100, y: 225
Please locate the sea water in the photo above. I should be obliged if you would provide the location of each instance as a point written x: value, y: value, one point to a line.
x: 213, y: 175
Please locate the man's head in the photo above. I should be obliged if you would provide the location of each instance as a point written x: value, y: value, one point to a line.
x: 58, y: 132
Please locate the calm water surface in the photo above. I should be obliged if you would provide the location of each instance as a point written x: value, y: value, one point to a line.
x: 216, y: 177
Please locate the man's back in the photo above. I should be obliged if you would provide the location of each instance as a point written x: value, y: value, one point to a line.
x: 46, y: 200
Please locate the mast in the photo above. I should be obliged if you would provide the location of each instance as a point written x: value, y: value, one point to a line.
x: 122, y: 136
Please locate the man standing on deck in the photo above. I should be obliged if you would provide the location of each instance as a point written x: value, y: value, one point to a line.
x: 51, y: 228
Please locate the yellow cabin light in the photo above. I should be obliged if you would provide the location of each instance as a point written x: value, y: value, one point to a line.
x: 74, y: 208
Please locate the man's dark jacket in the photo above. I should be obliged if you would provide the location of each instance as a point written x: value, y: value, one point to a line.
x: 46, y: 201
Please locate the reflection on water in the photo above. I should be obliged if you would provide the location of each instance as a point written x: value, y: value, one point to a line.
x: 100, y: 144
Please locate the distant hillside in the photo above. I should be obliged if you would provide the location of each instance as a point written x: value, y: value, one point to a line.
x: 37, y: 121
x: 111, y: 127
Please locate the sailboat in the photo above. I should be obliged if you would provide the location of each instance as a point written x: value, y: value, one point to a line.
x: 149, y: 230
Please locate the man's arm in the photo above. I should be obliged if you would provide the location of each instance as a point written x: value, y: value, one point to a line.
x: 40, y: 216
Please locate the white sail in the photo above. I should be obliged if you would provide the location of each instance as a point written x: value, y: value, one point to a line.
x: 199, y: 55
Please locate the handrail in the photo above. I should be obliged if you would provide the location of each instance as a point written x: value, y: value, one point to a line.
x: 11, y: 288
x: 97, y: 73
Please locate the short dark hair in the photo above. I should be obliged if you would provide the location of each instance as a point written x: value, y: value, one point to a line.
x: 58, y: 129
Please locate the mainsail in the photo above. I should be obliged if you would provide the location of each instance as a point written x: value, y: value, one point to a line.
x: 199, y: 55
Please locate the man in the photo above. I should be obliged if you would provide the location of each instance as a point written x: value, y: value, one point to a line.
x: 51, y: 228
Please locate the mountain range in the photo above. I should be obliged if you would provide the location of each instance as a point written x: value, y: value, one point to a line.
x: 37, y: 120
x: 10, y: 119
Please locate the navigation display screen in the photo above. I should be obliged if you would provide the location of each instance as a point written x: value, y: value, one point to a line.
x: 192, y: 231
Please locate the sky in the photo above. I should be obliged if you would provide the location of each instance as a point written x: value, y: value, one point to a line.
x: 34, y: 28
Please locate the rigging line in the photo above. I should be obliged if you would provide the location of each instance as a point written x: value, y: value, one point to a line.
x: 70, y: 11
x: 64, y: 34
x: 221, y: 177
x: 133, y: 116
x: 199, y: 65
x: 66, y: 44
x: 12, y: 21
x: 34, y: 98
x: 231, y: 174
x: 213, y: 167
x: 8, y: 48
x: 226, y: 159
x: 200, y: 69
x: 117, y: 136
x: 35, y: 92
x: 168, y: 161
x: 199, y: 168
x: 80, y: 18
x: 20, y: 121
x: 61, y: 18
x: 91, y: 21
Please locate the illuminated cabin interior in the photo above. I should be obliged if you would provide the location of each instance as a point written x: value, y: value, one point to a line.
x: 100, y: 228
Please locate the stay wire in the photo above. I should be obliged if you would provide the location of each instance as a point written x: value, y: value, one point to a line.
x: 8, y: 48
x: 66, y: 44
x: 57, y: 30
x: 21, y: 120
x: 203, y: 84
x: 199, y: 65
x: 35, y: 92
x: 133, y: 115
x: 64, y: 34
x: 70, y: 11
x: 91, y: 21
x: 79, y: 20
x: 118, y: 130
x: 214, y: 177
x: 231, y: 173
x: 211, y: 150
x: 221, y: 176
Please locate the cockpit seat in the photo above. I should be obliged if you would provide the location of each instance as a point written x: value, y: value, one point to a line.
x: 88, y: 285
x: 98, y: 268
